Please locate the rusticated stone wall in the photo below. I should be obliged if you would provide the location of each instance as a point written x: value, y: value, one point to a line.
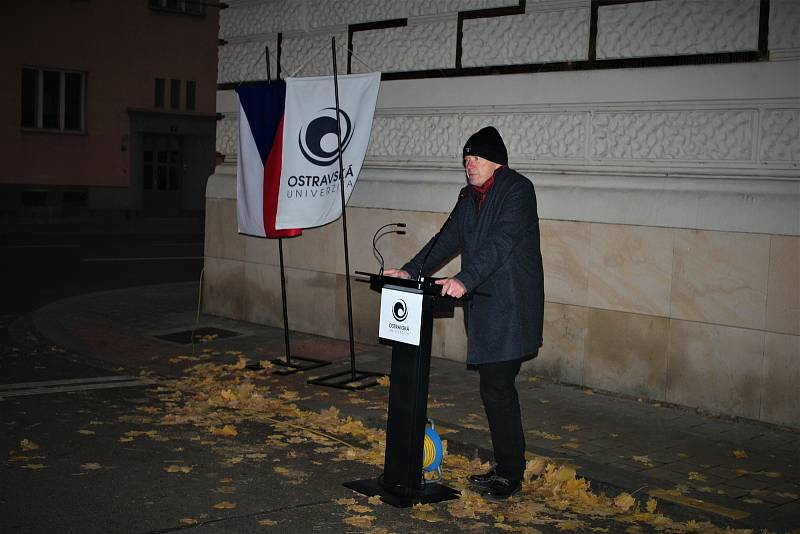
x: 669, y: 196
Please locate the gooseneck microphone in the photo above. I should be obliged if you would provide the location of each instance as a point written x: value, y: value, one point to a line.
x: 375, y: 237
x: 461, y: 195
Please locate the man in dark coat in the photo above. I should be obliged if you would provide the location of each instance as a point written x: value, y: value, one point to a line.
x: 495, y: 227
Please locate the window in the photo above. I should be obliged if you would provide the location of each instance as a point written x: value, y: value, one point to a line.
x: 175, y: 94
x: 53, y: 99
x: 162, y: 162
x: 159, y: 94
x: 191, y: 95
x: 187, y: 7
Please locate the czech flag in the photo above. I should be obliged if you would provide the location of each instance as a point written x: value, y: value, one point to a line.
x: 258, y: 171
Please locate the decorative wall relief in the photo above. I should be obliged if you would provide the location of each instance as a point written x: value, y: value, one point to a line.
x: 310, y: 54
x: 780, y: 135
x: 410, y: 137
x: 784, y: 25
x: 536, y: 135
x: 676, y: 27
x: 673, y: 135
x: 320, y: 13
x: 419, y: 46
x: 246, y: 60
x: 537, y: 37
x: 260, y: 18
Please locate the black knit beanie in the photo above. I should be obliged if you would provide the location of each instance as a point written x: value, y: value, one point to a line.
x: 487, y: 144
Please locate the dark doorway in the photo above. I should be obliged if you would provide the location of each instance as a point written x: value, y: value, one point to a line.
x: 162, y: 174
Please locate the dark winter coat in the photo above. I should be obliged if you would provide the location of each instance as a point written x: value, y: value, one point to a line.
x: 501, y: 262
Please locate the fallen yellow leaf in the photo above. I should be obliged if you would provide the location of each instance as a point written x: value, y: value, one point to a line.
x: 359, y: 508
x: 740, y: 454
x: 267, y: 522
x: 178, y: 469
x: 624, y: 501
x: 384, y: 381
x: 224, y: 505
x: 227, y: 430
x: 375, y: 499
x: 363, y: 521
x: 28, y: 445
x: 188, y: 521
x: 694, y: 475
x: 545, y: 435
x: 91, y: 466
x: 425, y: 512
x: 570, y: 525
x: 651, y: 505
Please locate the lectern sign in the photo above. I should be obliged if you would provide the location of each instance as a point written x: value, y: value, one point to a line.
x: 401, y: 316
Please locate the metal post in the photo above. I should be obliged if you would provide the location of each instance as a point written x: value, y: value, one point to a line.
x: 355, y: 376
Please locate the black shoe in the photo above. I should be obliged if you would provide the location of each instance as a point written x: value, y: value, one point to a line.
x: 501, y: 488
x: 485, y: 479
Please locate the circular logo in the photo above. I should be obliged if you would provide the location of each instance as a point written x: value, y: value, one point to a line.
x: 318, y: 140
x: 400, y: 310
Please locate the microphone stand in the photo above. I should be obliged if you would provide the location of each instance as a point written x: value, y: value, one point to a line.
x: 375, y: 238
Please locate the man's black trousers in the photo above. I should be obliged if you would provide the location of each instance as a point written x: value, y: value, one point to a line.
x: 501, y: 403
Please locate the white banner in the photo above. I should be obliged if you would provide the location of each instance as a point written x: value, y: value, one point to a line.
x: 309, y: 189
x: 401, y: 316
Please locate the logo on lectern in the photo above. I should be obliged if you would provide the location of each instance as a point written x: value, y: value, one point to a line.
x: 400, y: 310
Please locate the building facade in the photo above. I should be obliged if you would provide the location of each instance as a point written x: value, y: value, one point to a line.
x: 107, y: 106
x: 663, y: 138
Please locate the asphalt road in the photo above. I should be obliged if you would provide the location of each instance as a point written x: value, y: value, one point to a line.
x: 36, y: 270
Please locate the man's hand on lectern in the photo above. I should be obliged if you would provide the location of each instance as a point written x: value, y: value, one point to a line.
x: 452, y: 287
x: 396, y: 273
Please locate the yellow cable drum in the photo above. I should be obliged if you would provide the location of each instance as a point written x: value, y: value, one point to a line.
x: 432, y: 450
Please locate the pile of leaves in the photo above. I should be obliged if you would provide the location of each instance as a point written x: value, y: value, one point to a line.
x: 216, y: 397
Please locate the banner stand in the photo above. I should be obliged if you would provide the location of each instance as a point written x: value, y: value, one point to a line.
x: 290, y: 364
x: 290, y: 367
x: 352, y: 379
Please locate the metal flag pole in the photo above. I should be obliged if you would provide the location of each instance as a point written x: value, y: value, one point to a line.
x: 353, y: 379
x: 287, y: 365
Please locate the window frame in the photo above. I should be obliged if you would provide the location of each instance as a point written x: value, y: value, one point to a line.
x: 159, y: 93
x: 180, y: 7
x: 191, y: 95
x: 175, y: 94
x: 38, y: 121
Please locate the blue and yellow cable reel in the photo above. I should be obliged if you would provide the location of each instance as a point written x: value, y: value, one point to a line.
x: 432, y: 454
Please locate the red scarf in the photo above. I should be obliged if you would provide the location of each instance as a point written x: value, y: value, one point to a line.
x: 482, y: 190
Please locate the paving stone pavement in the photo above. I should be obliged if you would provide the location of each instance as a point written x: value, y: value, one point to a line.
x: 743, y: 473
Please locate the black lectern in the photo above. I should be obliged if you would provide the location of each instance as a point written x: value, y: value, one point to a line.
x: 401, y: 483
